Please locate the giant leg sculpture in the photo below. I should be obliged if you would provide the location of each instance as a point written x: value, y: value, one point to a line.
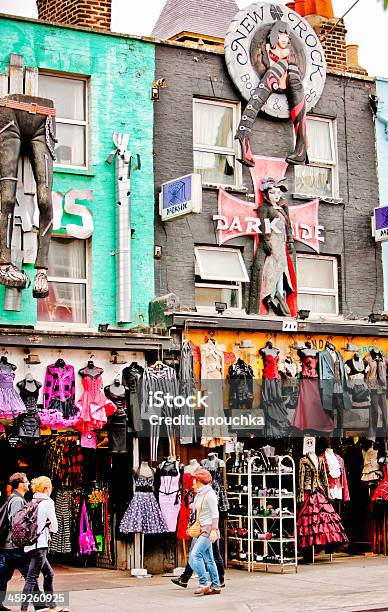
x: 269, y: 84
x: 297, y: 103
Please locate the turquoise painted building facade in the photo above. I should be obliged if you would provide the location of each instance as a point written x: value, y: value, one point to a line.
x: 102, y: 83
x: 382, y: 158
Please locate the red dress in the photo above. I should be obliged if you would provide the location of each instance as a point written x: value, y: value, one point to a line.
x: 309, y: 413
x: 94, y: 406
x: 184, y: 513
x: 381, y: 492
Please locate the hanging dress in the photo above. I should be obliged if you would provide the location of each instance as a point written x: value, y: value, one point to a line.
x: 371, y: 472
x: 170, y: 496
x: 275, y: 412
x: 309, y: 413
x: 381, y: 492
x: 187, y: 499
x: 59, y: 397
x: 143, y: 514
x: 11, y: 404
x: 28, y: 424
x: 94, y: 406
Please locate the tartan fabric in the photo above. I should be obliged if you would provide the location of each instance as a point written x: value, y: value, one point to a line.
x: 59, y: 383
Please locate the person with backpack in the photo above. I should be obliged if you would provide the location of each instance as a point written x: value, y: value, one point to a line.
x: 11, y: 557
x: 34, y: 526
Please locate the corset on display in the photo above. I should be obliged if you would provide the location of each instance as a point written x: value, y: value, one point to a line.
x: 11, y: 404
x: 271, y: 366
x: 95, y: 407
x: 309, y: 367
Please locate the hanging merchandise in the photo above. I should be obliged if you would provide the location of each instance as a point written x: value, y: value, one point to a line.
x: 275, y: 413
x: 371, y: 472
x: 59, y: 396
x: 131, y: 379
x: 289, y: 371
x: 336, y: 475
x: 309, y: 414
x: 64, y: 509
x: 381, y: 492
x: 117, y: 422
x: 143, y: 514
x: 64, y: 461
x: 169, y: 492
x: 355, y: 370
x: 11, y: 404
x: 187, y: 499
x: 94, y: 406
x: 332, y: 381
x: 240, y: 376
x: 28, y: 424
x: 87, y: 544
x: 187, y: 434
x: 161, y: 379
x: 216, y: 468
x: 376, y: 379
x: 318, y: 523
x: 212, y: 377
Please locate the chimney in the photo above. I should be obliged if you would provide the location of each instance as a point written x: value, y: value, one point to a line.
x: 331, y: 31
x: 352, y: 64
x: 85, y: 13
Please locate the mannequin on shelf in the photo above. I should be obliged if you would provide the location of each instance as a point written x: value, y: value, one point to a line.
x: 216, y: 468
x: 275, y: 412
x: 376, y: 379
x: 289, y: 369
x: 59, y: 405
x: 332, y: 380
x: 309, y: 414
x: 117, y: 422
x: 318, y: 523
x: 336, y: 474
x: 143, y: 514
x: 28, y: 424
x: 371, y: 472
x: 94, y: 406
x: 355, y: 370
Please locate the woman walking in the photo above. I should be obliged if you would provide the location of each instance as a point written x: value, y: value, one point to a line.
x: 201, y: 557
x: 37, y: 553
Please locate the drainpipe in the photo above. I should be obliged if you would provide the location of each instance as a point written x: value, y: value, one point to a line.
x: 124, y: 163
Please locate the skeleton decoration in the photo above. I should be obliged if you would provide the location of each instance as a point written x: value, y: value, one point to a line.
x: 26, y: 128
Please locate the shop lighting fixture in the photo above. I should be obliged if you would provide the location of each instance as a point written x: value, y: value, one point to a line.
x: 103, y: 327
x: 116, y: 359
x: 303, y: 314
x: 375, y: 317
x: 220, y: 307
x: 31, y: 359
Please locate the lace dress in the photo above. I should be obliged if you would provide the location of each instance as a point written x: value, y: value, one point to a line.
x: 11, y: 404
x: 94, y: 406
x: 143, y: 514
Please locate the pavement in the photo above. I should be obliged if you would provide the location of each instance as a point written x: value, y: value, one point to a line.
x: 345, y: 585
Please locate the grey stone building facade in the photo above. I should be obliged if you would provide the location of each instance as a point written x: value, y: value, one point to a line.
x: 345, y: 208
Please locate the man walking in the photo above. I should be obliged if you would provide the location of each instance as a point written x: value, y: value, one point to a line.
x: 12, y: 558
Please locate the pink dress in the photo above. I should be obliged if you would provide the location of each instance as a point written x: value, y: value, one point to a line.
x: 94, y: 406
x: 309, y: 413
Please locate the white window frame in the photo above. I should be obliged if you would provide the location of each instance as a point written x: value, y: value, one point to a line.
x: 58, y: 325
x: 221, y: 277
x: 321, y: 291
x: 234, y: 150
x: 333, y: 163
x: 83, y: 123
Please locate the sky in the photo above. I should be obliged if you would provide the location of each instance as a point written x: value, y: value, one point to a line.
x: 367, y: 23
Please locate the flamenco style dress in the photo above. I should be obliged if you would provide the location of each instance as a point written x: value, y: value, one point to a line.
x: 94, y: 406
x: 318, y: 523
x: 309, y: 413
x: 143, y: 514
x: 11, y: 404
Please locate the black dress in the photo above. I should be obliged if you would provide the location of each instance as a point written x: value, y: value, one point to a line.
x: 241, y: 385
x: 28, y: 424
x: 117, y: 423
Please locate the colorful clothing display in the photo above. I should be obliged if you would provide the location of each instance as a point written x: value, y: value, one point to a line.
x: 309, y: 413
x: 94, y: 406
x: 11, y: 404
x: 371, y: 471
x: 318, y: 524
x: 59, y: 396
x: 336, y: 475
x: 381, y: 492
x: 184, y: 513
x: 143, y: 514
x: 169, y: 493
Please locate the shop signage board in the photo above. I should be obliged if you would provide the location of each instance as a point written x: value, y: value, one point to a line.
x: 238, y: 218
x: 180, y: 197
x: 380, y: 224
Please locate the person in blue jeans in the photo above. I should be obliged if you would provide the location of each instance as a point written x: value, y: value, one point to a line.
x: 201, y: 557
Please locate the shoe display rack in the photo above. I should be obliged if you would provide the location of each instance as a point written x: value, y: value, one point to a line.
x: 261, y: 527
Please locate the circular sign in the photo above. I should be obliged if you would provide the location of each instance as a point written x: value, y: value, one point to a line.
x: 245, y: 43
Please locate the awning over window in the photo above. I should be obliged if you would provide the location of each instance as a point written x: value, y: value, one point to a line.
x: 220, y: 264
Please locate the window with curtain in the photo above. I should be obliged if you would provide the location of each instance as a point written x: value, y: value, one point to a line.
x: 215, y: 124
x: 317, y: 284
x: 70, y: 99
x: 320, y: 176
x: 68, y: 283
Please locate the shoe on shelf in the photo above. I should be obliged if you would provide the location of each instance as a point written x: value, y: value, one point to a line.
x: 286, y: 511
x: 242, y: 555
x: 176, y: 581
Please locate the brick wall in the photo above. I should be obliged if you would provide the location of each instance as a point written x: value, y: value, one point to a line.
x: 347, y: 223
x: 86, y: 13
x: 334, y: 43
